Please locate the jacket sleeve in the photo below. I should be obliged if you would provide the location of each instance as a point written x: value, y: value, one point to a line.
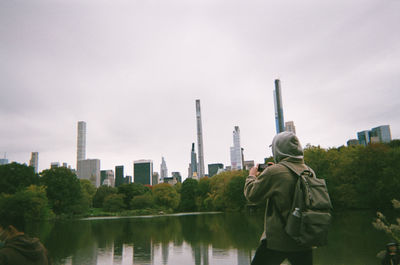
x: 259, y: 189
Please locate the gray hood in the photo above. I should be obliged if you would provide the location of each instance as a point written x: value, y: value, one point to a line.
x: 286, y: 144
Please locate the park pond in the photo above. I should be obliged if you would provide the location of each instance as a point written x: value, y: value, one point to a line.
x: 198, y: 238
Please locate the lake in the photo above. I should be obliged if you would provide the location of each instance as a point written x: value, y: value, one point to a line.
x: 200, y: 239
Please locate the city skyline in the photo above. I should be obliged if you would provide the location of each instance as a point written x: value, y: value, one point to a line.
x: 134, y: 77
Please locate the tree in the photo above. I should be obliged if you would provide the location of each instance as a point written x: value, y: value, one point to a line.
x: 142, y: 201
x: 101, y: 193
x: 25, y: 206
x: 203, y: 192
x: 165, y: 195
x: 88, y: 191
x: 131, y: 190
x: 189, y: 192
x: 63, y: 190
x: 114, y: 203
x: 234, y: 193
x: 15, y: 177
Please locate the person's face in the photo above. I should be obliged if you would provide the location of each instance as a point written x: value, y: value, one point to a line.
x: 392, y: 249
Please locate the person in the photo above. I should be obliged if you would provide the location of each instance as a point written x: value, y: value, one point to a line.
x: 18, y: 248
x: 391, y: 255
x: 275, y: 186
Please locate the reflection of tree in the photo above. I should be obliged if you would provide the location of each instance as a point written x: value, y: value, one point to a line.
x: 219, y: 231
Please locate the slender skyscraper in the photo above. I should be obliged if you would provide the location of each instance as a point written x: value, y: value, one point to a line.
x: 163, y: 170
x: 81, y: 150
x: 34, y: 162
x: 236, y: 151
x: 199, y: 140
x: 193, y: 163
x: 280, y: 125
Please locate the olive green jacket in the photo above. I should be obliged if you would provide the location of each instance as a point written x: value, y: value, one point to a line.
x: 275, y: 187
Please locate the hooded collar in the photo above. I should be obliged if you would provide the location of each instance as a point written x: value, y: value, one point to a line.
x: 286, y: 145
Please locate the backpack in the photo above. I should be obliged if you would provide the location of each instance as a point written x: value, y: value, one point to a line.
x: 310, y: 216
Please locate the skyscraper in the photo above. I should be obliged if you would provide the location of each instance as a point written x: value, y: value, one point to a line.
x: 236, y: 151
x: 119, y: 175
x: 89, y: 169
x: 34, y: 162
x: 81, y: 146
x: 279, y: 122
x: 289, y: 127
x: 214, y: 169
x: 200, y: 140
x: 163, y: 170
x: 380, y: 134
x: 193, y: 163
x: 143, y: 172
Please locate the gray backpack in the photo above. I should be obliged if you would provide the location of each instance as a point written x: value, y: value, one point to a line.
x: 310, y: 216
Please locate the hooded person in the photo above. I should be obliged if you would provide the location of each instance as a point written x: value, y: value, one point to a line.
x: 17, y: 248
x: 274, y: 187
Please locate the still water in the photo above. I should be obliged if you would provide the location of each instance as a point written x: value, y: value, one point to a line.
x: 200, y: 239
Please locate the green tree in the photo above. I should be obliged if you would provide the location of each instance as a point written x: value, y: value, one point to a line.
x: 203, y: 191
x: 63, y: 190
x: 131, y: 190
x: 101, y: 193
x: 165, y: 195
x: 114, y: 203
x: 25, y: 206
x: 189, y: 192
x: 88, y: 191
x: 234, y: 192
x: 15, y: 177
x: 142, y: 201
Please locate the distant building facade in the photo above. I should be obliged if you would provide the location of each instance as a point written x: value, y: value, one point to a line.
x: 214, y: 169
x: 177, y: 175
x: 107, y: 178
x: 289, y: 127
x: 34, y: 161
x: 193, y: 163
x: 248, y: 164
x: 119, y: 176
x: 3, y: 161
x: 81, y: 142
x: 352, y: 142
x: 54, y: 164
x: 156, y: 177
x: 89, y: 169
x: 380, y: 134
x: 236, y: 151
x: 163, y: 169
x: 143, y: 172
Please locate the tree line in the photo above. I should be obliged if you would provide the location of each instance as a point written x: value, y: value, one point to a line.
x: 357, y: 177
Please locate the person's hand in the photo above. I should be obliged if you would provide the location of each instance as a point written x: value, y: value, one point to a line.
x: 253, y: 171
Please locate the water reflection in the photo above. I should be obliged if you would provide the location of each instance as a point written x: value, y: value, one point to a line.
x: 196, y: 239
x: 187, y: 239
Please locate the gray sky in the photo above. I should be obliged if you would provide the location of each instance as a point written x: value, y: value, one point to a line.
x: 133, y: 70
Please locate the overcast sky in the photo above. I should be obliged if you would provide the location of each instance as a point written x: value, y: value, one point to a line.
x: 133, y: 70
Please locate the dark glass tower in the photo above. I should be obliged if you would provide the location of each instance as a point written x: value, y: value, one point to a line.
x: 119, y: 175
x: 279, y: 122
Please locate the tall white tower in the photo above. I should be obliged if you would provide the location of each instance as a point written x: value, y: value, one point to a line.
x: 199, y: 140
x: 163, y: 170
x: 81, y: 147
x: 236, y: 151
